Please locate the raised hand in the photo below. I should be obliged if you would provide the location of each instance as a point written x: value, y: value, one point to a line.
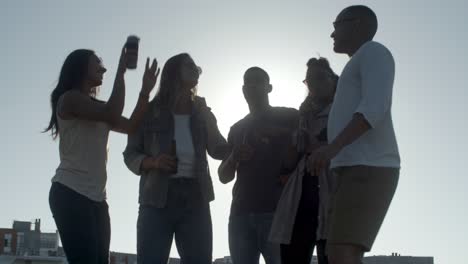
x: 122, y: 67
x: 150, y: 76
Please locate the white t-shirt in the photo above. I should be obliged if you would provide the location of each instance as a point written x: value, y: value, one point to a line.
x: 83, y: 157
x: 365, y: 86
x: 184, y: 147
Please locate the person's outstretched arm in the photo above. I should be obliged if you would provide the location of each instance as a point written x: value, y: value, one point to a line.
x: 82, y: 106
x: 130, y: 126
x: 134, y: 153
x: 239, y: 153
x: 227, y: 168
x: 217, y: 146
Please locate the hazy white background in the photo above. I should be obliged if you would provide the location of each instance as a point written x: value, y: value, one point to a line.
x: 429, y: 213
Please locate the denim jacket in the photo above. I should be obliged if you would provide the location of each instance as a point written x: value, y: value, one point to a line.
x: 154, y: 137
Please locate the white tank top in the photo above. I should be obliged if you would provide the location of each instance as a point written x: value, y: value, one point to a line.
x: 184, y: 147
x: 83, y: 157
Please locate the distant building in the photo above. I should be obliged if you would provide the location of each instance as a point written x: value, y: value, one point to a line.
x: 49, y: 244
x: 122, y: 258
x: 393, y: 259
x: 396, y: 258
x: 24, y: 244
x: 26, y: 241
x: 173, y: 261
x: 225, y: 260
x: 8, y: 241
x: 32, y: 260
x: 23, y: 240
x: 314, y: 260
x: 126, y: 258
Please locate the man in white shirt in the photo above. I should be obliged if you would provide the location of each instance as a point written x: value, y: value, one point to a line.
x: 362, y: 146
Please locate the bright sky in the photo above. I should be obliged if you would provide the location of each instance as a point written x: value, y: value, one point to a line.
x: 428, y: 39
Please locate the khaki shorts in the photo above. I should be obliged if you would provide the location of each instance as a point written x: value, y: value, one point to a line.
x: 359, y: 201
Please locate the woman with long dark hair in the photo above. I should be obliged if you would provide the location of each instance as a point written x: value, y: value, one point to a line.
x: 170, y: 153
x: 300, y: 220
x: 321, y: 82
x: 82, y: 123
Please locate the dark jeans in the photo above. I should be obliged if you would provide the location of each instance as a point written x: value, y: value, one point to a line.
x: 83, y: 225
x: 186, y: 218
x: 304, y: 236
x: 248, y: 238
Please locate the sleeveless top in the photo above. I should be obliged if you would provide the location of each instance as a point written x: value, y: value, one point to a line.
x: 83, y: 157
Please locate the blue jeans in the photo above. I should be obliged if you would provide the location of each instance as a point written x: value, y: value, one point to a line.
x: 248, y: 238
x: 185, y: 218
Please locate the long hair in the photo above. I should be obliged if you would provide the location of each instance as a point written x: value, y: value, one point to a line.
x: 171, y: 81
x: 73, y: 73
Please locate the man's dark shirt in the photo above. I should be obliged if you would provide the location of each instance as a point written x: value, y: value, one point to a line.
x: 258, y: 187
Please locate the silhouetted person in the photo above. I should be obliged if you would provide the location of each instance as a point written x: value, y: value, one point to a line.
x: 78, y: 194
x: 362, y: 144
x: 260, y: 141
x: 170, y: 153
x: 300, y: 218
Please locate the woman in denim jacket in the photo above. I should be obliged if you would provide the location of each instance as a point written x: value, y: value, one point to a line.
x: 169, y: 153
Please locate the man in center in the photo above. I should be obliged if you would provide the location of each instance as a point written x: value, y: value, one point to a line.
x: 261, y: 147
